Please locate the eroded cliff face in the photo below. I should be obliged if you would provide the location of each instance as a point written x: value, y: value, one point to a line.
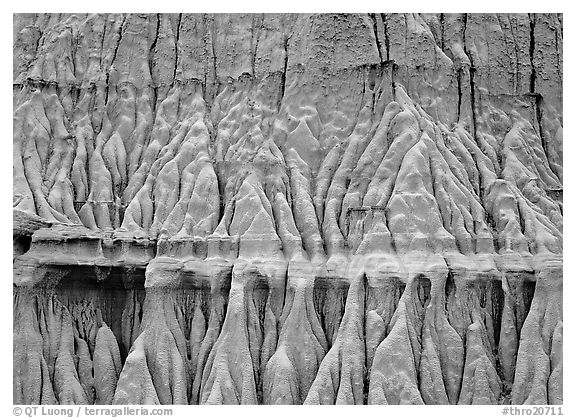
x: 288, y: 209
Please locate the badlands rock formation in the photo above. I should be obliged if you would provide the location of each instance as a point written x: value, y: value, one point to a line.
x: 288, y: 209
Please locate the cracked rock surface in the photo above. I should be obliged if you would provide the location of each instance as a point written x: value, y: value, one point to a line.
x: 287, y: 209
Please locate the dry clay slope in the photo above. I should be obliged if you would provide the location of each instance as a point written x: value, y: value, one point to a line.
x: 295, y: 209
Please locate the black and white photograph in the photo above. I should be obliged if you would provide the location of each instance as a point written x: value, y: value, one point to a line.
x: 287, y: 209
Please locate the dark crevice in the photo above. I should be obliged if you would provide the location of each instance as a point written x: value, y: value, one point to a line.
x: 393, y: 81
x: 528, y: 290
x: 259, y: 301
x: 521, y: 221
x: 375, y: 27
x: 329, y: 298
x: 154, y: 100
x: 107, y: 85
x: 386, y: 38
x: 21, y: 244
x: 284, y: 73
x: 73, y: 47
x: 472, y: 72
x: 449, y: 290
x: 366, y: 371
x: 106, y: 293
x: 531, y: 52
x: 497, y: 305
x: 521, y: 289
x: 442, y: 31
x: 117, y: 46
x: 492, y: 225
x: 421, y: 288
